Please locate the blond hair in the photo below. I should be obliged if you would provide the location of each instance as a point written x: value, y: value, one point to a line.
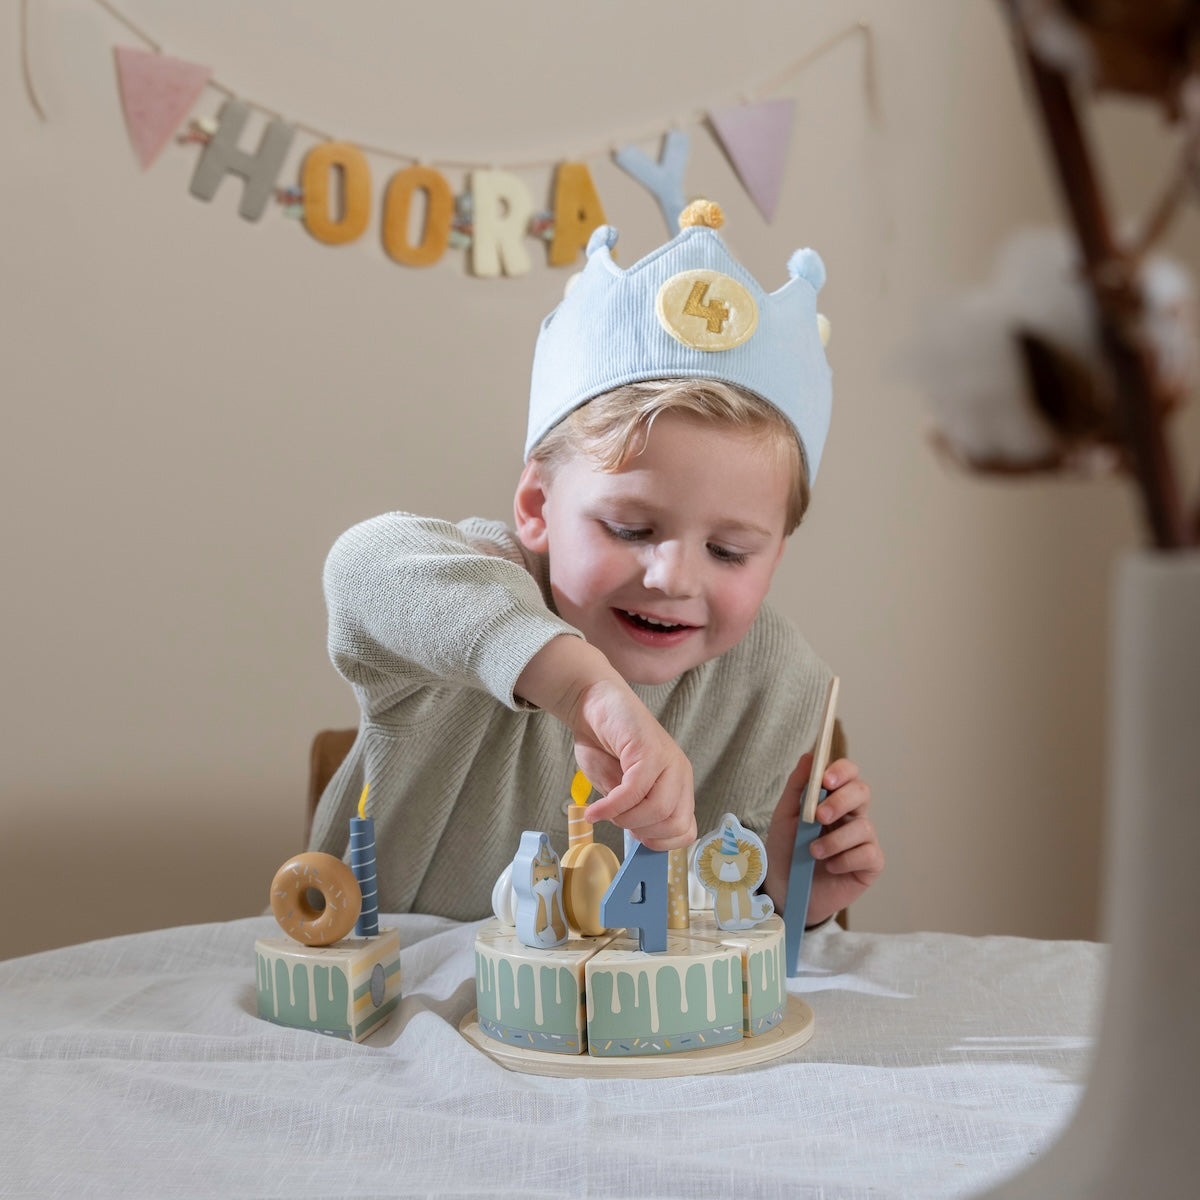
x: 613, y: 428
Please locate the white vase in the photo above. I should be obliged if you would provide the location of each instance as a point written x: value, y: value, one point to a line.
x: 1136, y: 1133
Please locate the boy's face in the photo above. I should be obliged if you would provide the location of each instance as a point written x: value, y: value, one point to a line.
x: 663, y: 564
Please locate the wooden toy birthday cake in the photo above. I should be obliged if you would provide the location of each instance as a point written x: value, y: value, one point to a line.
x: 586, y: 956
x: 654, y: 960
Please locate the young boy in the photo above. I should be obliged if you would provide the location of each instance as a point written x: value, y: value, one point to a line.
x: 677, y: 417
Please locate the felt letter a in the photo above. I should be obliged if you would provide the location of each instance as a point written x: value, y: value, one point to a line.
x: 502, y: 206
x: 577, y: 211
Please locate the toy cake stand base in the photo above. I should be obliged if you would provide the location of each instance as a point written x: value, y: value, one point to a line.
x: 791, y: 1033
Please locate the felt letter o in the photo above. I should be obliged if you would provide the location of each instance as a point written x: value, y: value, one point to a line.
x: 439, y: 212
x: 320, y: 164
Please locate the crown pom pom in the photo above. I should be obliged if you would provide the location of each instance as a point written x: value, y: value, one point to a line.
x: 807, y: 264
x: 702, y: 212
x: 604, y: 237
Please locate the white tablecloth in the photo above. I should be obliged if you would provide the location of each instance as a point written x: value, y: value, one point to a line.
x: 136, y: 1066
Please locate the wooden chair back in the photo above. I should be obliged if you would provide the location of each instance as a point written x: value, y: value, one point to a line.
x: 329, y: 749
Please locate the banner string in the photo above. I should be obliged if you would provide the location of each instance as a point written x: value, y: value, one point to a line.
x: 860, y: 29
x: 26, y: 73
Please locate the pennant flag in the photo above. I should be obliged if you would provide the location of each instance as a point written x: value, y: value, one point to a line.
x: 156, y: 93
x: 755, y: 140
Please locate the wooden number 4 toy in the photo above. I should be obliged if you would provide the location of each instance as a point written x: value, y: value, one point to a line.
x: 637, y: 898
x: 800, y: 876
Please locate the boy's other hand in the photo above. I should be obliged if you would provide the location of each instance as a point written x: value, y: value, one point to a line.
x: 847, y: 854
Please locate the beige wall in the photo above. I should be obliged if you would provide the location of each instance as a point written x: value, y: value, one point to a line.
x: 195, y: 406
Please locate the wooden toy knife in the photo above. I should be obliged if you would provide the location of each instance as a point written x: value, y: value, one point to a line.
x: 807, y: 830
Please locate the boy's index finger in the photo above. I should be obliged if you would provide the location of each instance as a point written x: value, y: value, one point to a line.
x: 625, y: 796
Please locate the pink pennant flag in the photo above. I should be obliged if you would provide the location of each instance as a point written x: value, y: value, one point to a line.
x: 755, y: 140
x: 156, y: 93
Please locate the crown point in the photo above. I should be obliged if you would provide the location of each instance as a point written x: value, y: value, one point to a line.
x: 702, y: 212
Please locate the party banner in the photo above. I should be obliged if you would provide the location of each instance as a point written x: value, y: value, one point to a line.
x: 418, y: 212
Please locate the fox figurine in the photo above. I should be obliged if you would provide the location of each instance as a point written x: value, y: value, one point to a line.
x: 537, y: 885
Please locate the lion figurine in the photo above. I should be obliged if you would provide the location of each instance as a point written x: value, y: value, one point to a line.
x: 731, y: 863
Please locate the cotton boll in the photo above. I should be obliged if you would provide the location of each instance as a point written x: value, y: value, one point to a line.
x: 1172, y: 326
x: 974, y: 382
x: 1058, y: 40
x: 1038, y: 272
x: 1036, y: 278
x: 1015, y: 374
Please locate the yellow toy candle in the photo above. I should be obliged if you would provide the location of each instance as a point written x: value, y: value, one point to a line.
x: 579, y: 828
x: 587, y: 867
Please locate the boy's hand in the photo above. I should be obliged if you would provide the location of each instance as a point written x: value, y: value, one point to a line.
x: 644, y: 777
x: 847, y: 852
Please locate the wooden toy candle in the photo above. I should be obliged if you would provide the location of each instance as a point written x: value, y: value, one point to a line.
x: 677, y: 889
x: 637, y: 898
x: 362, y: 863
x: 587, y: 867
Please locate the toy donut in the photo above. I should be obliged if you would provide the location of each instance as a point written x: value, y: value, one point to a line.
x: 298, y: 917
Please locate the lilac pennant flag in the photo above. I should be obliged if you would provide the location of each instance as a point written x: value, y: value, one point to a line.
x: 755, y: 140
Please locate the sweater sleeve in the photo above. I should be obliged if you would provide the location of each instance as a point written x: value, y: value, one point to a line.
x: 414, y: 601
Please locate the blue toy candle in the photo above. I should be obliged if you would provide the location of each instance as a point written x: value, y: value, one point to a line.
x: 362, y: 863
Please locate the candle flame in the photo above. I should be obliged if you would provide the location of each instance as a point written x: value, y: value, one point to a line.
x: 581, y: 788
x: 362, y: 802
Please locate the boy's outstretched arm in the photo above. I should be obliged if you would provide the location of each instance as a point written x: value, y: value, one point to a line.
x: 644, y: 777
x: 847, y: 852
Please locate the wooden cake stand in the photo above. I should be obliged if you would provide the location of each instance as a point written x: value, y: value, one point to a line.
x: 791, y: 1033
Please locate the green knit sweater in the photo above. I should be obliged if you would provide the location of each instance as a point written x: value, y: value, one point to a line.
x: 431, y: 624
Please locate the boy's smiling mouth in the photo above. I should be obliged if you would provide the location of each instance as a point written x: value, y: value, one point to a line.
x: 649, y: 625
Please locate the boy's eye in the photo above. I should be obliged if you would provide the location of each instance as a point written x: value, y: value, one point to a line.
x: 626, y: 533
x: 724, y: 554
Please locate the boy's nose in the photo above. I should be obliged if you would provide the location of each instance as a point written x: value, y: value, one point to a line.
x: 670, y: 570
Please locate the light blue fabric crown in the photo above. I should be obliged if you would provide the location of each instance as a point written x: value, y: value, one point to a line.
x: 652, y: 321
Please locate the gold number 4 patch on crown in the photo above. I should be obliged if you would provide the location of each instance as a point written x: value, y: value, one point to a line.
x: 715, y: 313
x: 706, y: 310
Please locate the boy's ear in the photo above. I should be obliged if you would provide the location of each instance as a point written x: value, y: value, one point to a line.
x: 528, y: 508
